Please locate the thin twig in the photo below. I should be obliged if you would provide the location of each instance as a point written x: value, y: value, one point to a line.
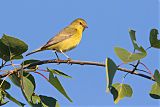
x: 124, y: 77
x: 42, y: 75
x: 21, y: 76
x: 42, y: 70
x: 3, y: 64
x: 120, y: 64
x: 135, y: 66
x: 147, y: 69
x: 78, y: 63
x: 5, y: 78
x: 13, y: 65
x: 132, y: 65
x: 142, y: 71
x: 148, y: 48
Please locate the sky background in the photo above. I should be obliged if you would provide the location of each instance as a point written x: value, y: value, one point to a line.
x: 36, y: 21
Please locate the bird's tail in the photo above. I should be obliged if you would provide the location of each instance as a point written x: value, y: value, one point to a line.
x: 37, y: 50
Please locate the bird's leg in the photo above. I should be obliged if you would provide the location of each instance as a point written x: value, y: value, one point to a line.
x: 57, y: 57
x: 68, y: 58
x: 65, y: 55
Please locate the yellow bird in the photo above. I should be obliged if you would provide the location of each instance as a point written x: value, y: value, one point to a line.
x: 66, y: 39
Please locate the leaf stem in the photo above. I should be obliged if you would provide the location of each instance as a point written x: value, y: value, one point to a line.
x: 143, y: 71
x: 5, y: 78
x: 135, y: 66
x: 124, y: 77
x: 3, y: 64
x: 120, y: 64
x: 147, y: 69
x: 42, y: 70
x: 42, y: 75
x: 148, y: 48
x: 132, y: 65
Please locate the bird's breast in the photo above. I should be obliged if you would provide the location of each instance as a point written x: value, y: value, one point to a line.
x: 69, y: 43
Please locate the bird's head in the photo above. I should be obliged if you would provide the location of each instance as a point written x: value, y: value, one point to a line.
x: 79, y: 24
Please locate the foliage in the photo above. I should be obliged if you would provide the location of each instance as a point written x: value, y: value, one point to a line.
x: 111, y: 69
x: 12, y: 49
x: 120, y: 90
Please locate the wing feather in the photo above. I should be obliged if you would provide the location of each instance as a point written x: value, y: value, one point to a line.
x: 61, y: 36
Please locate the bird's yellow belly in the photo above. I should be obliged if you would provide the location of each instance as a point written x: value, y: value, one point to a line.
x: 67, y: 44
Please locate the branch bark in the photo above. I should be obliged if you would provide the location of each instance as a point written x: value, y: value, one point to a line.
x: 78, y: 62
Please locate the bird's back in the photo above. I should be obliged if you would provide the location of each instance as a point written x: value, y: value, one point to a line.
x: 65, y: 40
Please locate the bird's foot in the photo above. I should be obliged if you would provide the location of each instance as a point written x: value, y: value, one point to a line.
x: 69, y: 61
x: 58, y: 61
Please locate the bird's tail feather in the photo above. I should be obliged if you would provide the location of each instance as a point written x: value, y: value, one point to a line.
x: 37, y: 50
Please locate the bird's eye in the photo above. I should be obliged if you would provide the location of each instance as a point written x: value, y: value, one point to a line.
x: 80, y: 23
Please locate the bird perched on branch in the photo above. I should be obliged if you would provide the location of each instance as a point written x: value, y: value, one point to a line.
x: 66, y: 39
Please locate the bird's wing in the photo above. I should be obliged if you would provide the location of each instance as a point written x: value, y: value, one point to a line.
x: 62, y: 35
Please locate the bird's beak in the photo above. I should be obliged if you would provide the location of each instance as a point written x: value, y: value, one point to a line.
x: 85, y: 26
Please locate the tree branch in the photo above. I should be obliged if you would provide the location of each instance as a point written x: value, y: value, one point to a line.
x: 78, y: 62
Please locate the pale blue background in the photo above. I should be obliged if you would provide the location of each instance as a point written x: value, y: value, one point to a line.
x: 36, y: 21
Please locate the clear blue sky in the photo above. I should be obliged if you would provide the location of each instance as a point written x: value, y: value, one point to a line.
x: 36, y: 21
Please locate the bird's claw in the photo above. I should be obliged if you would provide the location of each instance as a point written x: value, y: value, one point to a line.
x: 58, y: 61
x: 69, y: 61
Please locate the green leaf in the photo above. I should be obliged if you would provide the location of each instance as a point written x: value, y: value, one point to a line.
x: 7, y: 58
x: 29, y: 62
x: 17, y: 57
x: 26, y: 83
x: 36, y: 101
x: 157, y: 76
x: 44, y: 101
x: 37, y: 105
x: 133, y: 38
x: 11, y: 48
x: 110, y: 72
x: 119, y: 91
x: 154, y: 38
x: 14, y: 100
x: 31, y: 78
x: 48, y: 101
x: 2, y: 97
x: 15, y: 79
x: 56, y: 83
x: 3, y: 102
x: 28, y: 86
x: 155, y: 91
x: 134, y: 42
x: 54, y: 71
x: 6, y: 85
x: 126, y: 56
